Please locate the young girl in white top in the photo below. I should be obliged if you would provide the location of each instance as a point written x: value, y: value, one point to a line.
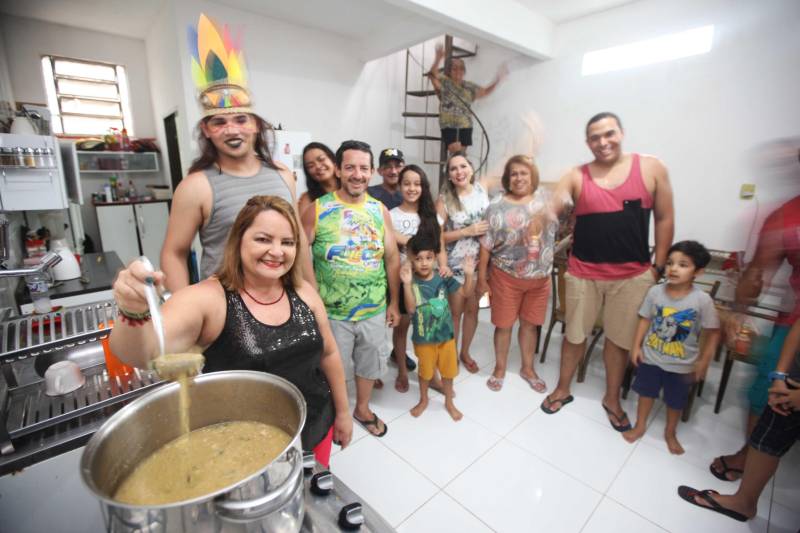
x: 462, y: 205
x: 417, y: 213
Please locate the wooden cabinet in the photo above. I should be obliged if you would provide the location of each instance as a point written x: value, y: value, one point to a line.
x: 134, y: 229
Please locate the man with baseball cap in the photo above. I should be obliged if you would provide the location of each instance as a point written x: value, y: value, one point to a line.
x: 390, y: 163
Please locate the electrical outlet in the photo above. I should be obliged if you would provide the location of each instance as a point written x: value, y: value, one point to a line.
x: 748, y: 191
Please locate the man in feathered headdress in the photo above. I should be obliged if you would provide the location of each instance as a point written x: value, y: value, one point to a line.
x: 234, y: 163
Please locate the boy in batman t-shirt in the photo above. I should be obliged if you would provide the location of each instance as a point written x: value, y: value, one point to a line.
x: 666, y: 349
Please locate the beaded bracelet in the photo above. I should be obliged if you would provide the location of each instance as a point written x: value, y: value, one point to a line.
x: 131, y: 315
x: 133, y: 322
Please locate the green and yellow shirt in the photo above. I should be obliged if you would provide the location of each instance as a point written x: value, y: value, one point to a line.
x: 348, y: 257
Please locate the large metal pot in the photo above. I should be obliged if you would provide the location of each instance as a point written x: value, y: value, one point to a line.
x: 269, y: 500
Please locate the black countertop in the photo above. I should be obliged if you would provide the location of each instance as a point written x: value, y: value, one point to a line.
x: 98, y: 273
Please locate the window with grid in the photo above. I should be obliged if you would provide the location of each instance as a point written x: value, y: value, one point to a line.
x: 86, y: 97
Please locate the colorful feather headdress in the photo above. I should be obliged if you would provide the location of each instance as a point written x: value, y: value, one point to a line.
x: 218, y: 69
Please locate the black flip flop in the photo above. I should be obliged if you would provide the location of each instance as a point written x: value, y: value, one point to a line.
x: 723, y: 476
x: 562, y: 401
x: 374, y: 423
x: 620, y: 426
x: 688, y: 494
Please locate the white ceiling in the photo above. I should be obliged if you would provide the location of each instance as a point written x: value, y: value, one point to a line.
x: 130, y: 18
x: 351, y: 18
x: 563, y: 10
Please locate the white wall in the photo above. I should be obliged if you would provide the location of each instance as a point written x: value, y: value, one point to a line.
x: 6, y: 92
x: 304, y: 79
x: 166, y: 84
x: 27, y: 40
x: 704, y: 116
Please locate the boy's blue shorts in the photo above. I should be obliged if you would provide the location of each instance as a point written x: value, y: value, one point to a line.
x: 650, y: 379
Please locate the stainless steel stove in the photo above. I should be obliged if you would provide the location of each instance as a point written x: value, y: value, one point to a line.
x: 41, y: 438
x: 333, y: 506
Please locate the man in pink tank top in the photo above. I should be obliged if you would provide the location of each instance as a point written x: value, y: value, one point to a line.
x: 609, y: 266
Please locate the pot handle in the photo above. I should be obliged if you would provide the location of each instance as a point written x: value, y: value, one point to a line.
x: 269, y: 503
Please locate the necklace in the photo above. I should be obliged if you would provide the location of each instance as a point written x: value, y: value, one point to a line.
x: 283, y: 291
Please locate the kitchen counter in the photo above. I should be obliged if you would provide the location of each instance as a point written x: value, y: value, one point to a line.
x: 99, y: 271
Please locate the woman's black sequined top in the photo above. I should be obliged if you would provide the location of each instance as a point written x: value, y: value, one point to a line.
x: 291, y: 350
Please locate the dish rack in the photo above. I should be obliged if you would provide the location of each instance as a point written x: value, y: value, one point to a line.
x: 26, y: 411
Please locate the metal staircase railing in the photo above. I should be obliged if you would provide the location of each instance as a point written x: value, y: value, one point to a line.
x: 425, y: 90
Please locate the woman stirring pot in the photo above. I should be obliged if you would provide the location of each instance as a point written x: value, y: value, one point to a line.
x: 255, y: 313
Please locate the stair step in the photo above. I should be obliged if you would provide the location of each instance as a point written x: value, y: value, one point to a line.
x: 429, y: 92
x: 411, y: 114
x: 459, y: 52
x: 423, y: 137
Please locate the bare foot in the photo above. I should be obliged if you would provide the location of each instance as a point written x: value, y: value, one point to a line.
x: 401, y: 383
x: 673, y: 444
x: 419, y: 408
x: 632, y: 435
x: 455, y: 414
x: 469, y: 363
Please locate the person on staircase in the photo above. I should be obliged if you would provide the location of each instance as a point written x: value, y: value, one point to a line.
x: 455, y: 100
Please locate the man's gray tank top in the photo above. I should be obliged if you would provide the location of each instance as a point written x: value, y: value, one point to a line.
x: 229, y: 195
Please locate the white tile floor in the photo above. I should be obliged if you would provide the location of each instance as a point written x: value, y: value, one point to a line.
x: 508, y: 467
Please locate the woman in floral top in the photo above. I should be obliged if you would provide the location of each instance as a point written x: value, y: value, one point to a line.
x: 462, y: 205
x: 519, y: 244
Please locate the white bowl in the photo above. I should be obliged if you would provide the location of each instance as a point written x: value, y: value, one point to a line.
x: 63, y: 377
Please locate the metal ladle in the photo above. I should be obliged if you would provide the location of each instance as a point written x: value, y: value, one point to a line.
x: 168, y: 366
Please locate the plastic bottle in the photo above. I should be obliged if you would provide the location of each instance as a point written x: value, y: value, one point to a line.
x: 109, y: 197
x: 133, y: 194
x: 113, y: 183
x: 126, y: 142
x: 37, y: 286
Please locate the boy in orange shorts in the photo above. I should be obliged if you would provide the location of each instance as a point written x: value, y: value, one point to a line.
x: 425, y: 293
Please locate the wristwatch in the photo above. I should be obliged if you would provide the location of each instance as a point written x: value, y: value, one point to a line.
x: 777, y: 375
x: 660, y: 270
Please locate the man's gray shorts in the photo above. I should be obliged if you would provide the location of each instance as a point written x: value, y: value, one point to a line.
x: 363, y: 345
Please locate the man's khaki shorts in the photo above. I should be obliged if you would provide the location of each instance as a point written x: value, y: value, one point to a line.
x: 363, y: 345
x: 619, y: 299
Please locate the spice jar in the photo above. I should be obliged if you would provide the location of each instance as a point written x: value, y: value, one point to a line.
x: 7, y: 158
x: 30, y: 158
x: 19, y: 157
x: 49, y: 159
x: 38, y: 158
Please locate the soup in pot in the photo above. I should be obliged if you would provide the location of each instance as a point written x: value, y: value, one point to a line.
x: 202, y: 462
